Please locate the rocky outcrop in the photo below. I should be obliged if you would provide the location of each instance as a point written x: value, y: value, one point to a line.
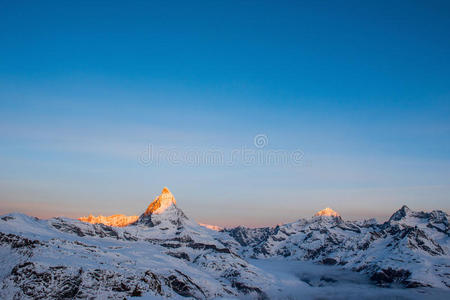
x: 114, y: 220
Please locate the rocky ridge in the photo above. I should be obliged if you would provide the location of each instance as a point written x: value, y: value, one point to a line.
x: 114, y: 220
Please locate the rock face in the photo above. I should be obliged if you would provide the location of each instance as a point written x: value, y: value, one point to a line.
x: 411, y: 248
x: 161, y: 203
x: 164, y: 213
x: 114, y: 220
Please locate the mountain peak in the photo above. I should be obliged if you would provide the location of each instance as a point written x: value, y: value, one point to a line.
x: 165, y: 191
x: 161, y: 203
x: 405, y: 208
x: 401, y: 213
x: 327, y: 212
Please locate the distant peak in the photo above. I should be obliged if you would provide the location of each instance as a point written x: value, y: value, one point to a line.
x: 161, y: 203
x: 114, y: 220
x: 401, y: 213
x: 405, y: 208
x: 213, y: 227
x: 327, y: 212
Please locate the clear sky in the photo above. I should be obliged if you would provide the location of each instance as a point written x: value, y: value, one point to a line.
x: 361, y: 88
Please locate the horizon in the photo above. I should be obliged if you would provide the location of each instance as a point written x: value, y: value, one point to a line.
x: 378, y: 219
x: 253, y: 113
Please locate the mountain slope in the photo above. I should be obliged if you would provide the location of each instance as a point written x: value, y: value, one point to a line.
x: 163, y: 254
x: 411, y: 248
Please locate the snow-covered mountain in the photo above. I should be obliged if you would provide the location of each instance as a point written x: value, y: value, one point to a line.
x: 212, y: 227
x: 160, y: 204
x: 411, y: 248
x: 163, y: 253
x: 328, y: 212
x: 114, y: 220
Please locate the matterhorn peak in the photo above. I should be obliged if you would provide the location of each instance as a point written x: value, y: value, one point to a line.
x: 163, y: 210
x: 161, y: 203
x: 328, y: 212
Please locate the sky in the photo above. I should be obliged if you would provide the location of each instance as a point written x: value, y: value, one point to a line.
x: 250, y: 112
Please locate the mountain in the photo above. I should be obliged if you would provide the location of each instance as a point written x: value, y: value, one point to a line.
x: 327, y: 212
x: 114, y: 220
x: 163, y: 212
x: 212, y: 227
x: 411, y: 248
x: 161, y: 203
x: 164, y: 205
x: 163, y: 254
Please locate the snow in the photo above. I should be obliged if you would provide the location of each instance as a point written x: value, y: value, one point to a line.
x: 161, y: 203
x: 212, y: 227
x: 306, y: 280
x: 327, y: 212
x: 209, y: 268
x: 414, y: 245
x: 166, y: 254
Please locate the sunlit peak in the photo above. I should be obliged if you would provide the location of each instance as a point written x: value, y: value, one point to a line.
x: 327, y: 212
x: 114, y: 220
x: 161, y: 203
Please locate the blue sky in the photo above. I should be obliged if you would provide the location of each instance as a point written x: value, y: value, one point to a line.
x: 361, y: 88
